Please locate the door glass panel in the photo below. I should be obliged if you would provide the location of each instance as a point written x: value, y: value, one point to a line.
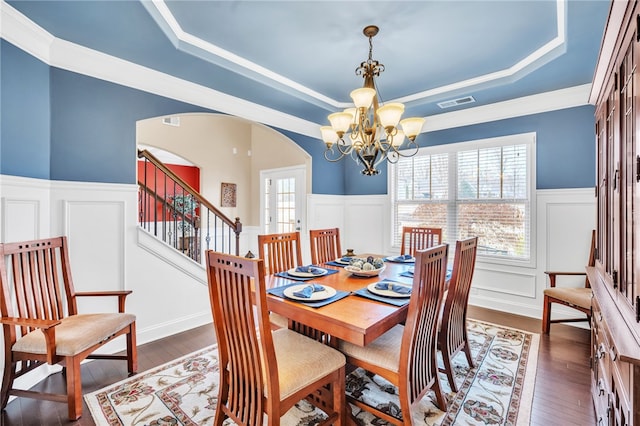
x: 286, y: 205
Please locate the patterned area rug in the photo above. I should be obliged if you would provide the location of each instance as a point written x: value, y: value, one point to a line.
x: 498, y: 391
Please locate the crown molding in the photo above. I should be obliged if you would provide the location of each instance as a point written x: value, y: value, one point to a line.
x: 20, y: 31
x: 26, y: 35
x: 612, y: 31
x: 215, y: 54
x: 535, y: 104
x: 31, y: 38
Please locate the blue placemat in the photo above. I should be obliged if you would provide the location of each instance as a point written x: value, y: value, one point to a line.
x: 334, y: 263
x: 288, y: 276
x: 409, y: 274
x: 279, y: 291
x: 364, y: 292
x: 395, y: 259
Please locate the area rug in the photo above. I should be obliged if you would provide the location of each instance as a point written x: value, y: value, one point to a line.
x: 499, y: 391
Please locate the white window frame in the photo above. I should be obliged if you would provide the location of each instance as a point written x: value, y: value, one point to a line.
x: 528, y: 139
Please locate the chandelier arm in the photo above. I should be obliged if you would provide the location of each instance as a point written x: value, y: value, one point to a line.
x: 355, y: 156
x: 346, y: 150
x: 412, y: 145
x: 333, y: 160
x: 384, y: 146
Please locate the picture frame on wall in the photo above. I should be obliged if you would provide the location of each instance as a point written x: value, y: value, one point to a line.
x: 228, y: 194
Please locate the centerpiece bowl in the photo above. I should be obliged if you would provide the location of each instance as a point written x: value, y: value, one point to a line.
x: 366, y: 267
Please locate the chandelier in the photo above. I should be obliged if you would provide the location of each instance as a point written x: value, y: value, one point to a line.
x: 370, y: 132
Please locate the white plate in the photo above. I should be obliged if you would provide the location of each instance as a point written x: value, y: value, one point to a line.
x: 315, y: 296
x: 295, y: 273
x: 395, y: 259
x: 342, y: 262
x: 388, y: 293
x: 361, y: 273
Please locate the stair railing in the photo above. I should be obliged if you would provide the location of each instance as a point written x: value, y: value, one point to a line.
x: 174, y: 212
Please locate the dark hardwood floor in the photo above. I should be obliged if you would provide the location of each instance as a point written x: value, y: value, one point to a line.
x: 561, y: 396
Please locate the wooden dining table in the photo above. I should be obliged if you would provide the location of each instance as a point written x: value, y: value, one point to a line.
x: 354, y: 318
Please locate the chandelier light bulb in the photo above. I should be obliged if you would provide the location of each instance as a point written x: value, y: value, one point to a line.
x: 389, y: 114
x: 363, y: 97
x: 329, y: 136
x: 412, y: 126
x: 340, y: 121
x: 397, y: 139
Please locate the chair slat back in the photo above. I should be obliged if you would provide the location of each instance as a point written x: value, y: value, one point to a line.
x: 419, y: 238
x: 454, y: 317
x: 325, y: 245
x: 36, y: 281
x: 280, y: 252
x: 418, y: 368
x: 231, y: 287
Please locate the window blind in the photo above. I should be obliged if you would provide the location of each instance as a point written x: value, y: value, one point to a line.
x: 467, y: 190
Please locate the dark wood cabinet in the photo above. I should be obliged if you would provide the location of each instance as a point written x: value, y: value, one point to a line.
x: 615, y: 324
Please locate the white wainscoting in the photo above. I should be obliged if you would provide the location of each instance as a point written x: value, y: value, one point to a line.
x: 562, y: 235
x: 108, y: 251
x: 363, y: 220
x: 25, y: 209
x: 561, y: 238
x: 169, y: 294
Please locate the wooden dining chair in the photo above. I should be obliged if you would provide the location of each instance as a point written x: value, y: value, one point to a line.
x: 280, y: 252
x: 578, y: 298
x: 265, y: 372
x: 453, y: 323
x: 325, y: 245
x: 419, y: 238
x: 41, y: 322
x: 407, y: 355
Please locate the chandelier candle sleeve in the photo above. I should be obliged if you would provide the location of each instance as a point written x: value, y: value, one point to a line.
x: 371, y: 132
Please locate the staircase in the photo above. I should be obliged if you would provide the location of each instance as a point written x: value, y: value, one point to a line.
x: 172, y: 211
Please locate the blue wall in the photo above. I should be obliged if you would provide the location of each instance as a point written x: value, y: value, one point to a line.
x: 328, y: 178
x: 565, y: 151
x: 565, y: 144
x: 93, y: 132
x: 65, y: 126
x: 565, y: 148
x: 24, y: 114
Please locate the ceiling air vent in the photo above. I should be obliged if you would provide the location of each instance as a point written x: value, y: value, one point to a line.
x: 456, y: 102
x: 171, y: 121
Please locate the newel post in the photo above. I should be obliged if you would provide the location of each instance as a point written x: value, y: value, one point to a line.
x: 238, y: 230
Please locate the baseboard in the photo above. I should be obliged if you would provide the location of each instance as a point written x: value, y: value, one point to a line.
x: 170, y: 328
x: 523, y: 309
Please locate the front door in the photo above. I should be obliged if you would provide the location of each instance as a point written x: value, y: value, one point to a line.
x: 282, y: 203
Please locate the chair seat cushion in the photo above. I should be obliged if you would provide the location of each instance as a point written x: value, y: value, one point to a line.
x: 383, y: 352
x: 578, y: 296
x: 76, y: 333
x: 302, y: 360
x: 279, y: 320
